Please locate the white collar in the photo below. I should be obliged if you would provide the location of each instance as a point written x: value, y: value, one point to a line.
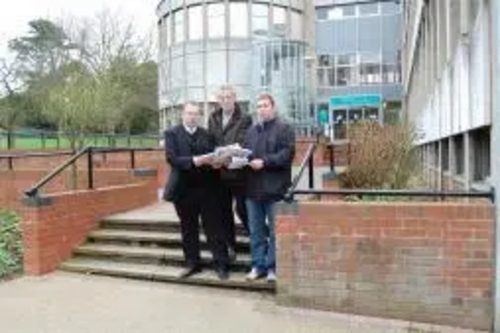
x: 190, y: 130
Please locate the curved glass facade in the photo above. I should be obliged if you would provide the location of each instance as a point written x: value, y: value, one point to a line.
x: 204, y: 44
x: 279, y: 68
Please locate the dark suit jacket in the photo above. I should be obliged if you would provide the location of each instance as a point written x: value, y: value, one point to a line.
x: 180, y: 148
x: 234, y: 132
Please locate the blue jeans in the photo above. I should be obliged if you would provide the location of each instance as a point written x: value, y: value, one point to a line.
x: 262, y: 234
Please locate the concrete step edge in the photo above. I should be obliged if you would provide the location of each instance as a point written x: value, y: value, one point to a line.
x: 149, y: 274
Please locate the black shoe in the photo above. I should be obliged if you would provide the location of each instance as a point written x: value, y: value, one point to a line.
x: 189, y: 272
x: 223, y: 274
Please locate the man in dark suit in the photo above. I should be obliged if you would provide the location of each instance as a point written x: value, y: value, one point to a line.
x: 229, y: 125
x: 191, y: 188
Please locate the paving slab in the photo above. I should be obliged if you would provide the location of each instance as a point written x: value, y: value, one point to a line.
x: 73, y: 303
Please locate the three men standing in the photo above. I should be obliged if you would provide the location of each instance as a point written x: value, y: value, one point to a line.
x: 229, y: 125
x: 201, y: 186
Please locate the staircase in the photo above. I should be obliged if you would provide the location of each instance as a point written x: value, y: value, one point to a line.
x: 146, y: 244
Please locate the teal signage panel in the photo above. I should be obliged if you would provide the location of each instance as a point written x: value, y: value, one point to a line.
x: 323, y: 116
x: 350, y: 101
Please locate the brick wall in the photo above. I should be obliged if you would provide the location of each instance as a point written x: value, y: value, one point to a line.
x: 428, y: 262
x: 52, y: 231
x: 110, y: 169
x: 15, y: 182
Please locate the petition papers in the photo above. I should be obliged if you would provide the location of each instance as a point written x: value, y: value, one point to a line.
x: 238, y: 156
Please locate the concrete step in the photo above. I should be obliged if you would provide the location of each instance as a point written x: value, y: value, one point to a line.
x: 135, y: 237
x: 143, y: 224
x: 162, y: 274
x: 152, y: 255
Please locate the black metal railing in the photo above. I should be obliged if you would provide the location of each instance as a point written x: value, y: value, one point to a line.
x: 10, y: 158
x: 308, y: 162
x: 89, y: 152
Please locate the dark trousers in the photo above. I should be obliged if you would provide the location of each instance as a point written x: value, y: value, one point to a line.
x: 193, y: 204
x: 228, y: 195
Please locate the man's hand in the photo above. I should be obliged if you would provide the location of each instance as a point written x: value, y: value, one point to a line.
x: 202, y: 160
x: 257, y: 164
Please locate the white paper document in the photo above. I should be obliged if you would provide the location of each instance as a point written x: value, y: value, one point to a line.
x: 231, y: 151
x: 237, y: 163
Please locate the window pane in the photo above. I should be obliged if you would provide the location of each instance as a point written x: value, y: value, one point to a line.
x: 216, y: 20
x: 168, y: 31
x: 369, y: 70
x: 216, y: 63
x: 279, y: 21
x: 177, y: 71
x: 371, y: 114
x: 355, y: 115
x: 239, y: 20
x: 324, y: 60
x: 194, y: 69
x: 335, y: 13
x: 260, y: 19
x: 179, y: 26
x: 296, y: 25
x: 195, y: 23
x: 390, y: 73
x: 346, y: 59
x: 368, y: 9
x: 390, y: 8
x: 240, y: 65
x: 340, y: 124
x: 346, y: 76
x: 321, y: 14
x: 348, y: 11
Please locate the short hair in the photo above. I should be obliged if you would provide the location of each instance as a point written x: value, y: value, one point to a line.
x: 227, y: 88
x: 268, y: 97
x: 191, y: 103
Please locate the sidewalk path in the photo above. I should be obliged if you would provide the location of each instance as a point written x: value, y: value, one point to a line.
x: 70, y: 303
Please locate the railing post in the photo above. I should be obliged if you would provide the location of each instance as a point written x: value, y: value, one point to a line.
x: 11, y: 163
x: 332, y: 158
x: 90, y: 168
x: 132, y: 159
x: 9, y: 140
x: 311, y: 171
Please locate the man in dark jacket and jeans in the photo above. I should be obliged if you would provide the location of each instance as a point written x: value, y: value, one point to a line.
x: 272, y: 143
x: 229, y: 125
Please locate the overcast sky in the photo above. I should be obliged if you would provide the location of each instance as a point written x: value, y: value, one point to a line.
x: 14, y: 18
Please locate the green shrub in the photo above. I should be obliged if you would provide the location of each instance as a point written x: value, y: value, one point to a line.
x: 11, y: 251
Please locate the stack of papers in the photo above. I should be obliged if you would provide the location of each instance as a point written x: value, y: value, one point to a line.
x: 237, y: 156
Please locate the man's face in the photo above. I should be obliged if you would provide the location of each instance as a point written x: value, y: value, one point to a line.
x: 265, y: 110
x: 227, y: 100
x: 191, y: 115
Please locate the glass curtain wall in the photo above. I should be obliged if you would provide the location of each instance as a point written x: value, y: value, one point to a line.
x: 280, y: 69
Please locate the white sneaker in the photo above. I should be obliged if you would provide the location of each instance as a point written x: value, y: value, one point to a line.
x: 254, y: 274
x: 271, y: 277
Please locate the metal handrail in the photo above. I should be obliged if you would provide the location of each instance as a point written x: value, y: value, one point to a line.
x: 307, y: 161
x: 33, y: 191
x: 89, y: 151
x: 35, y: 154
x: 399, y: 193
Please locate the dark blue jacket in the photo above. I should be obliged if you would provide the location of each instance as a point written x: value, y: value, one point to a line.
x: 274, y: 143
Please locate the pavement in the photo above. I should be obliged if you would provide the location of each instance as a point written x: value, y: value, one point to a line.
x: 73, y: 303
